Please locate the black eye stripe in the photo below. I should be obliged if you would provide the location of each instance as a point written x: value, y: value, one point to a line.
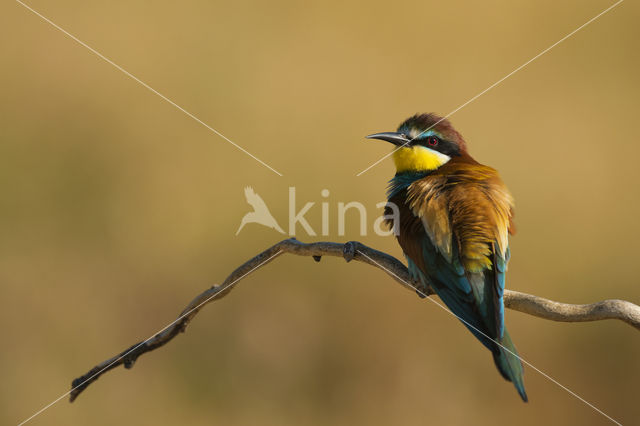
x: 438, y: 144
x: 429, y: 141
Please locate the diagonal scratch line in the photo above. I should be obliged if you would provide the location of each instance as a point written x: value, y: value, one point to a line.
x: 150, y: 337
x: 496, y: 83
x: 545, y: 375
x: 142, y: 83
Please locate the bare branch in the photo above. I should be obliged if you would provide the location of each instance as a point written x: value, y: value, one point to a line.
x: 353, y: 250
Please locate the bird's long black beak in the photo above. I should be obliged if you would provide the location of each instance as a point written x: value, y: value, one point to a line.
x: 395, y: 138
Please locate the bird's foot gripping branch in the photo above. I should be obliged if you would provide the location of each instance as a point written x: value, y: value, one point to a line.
x: 353, y: 250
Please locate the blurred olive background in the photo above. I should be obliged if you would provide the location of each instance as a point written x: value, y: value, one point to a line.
x: 116, y: 208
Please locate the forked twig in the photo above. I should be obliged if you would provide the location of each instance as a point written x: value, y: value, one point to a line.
x: 353, y: 250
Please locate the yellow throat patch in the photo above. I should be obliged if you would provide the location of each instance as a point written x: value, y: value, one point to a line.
x: 418, y: 158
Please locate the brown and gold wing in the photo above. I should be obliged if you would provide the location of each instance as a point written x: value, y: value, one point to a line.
x: 468, y: 202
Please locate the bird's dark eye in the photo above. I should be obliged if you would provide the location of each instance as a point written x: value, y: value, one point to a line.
x: 432, y: 141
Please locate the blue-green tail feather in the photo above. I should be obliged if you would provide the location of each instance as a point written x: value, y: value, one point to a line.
x: 460, y: 299
x: 509, y: 364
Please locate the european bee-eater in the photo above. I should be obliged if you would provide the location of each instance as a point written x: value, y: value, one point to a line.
x: 455, y: 219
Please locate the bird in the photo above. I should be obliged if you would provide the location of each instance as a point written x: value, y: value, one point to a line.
x: 260, y: 213
x: 455, y: 217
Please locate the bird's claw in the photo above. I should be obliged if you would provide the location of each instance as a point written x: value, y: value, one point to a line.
x: 349, y: 251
